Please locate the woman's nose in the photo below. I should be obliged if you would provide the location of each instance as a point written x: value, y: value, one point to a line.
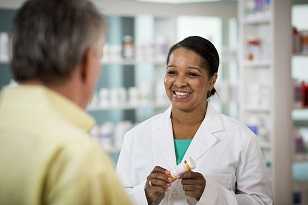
x: 180, y: 81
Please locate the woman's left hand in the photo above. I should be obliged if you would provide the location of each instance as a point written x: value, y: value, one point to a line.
x: 193, y: 184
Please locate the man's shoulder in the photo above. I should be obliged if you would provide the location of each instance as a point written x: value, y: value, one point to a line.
x: 74, y: 141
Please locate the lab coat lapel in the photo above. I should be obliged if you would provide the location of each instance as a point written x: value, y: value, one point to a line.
x: 205, y: 138
x: 162, y: 139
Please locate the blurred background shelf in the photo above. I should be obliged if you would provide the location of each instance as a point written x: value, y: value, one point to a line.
x: 257, y: 64
x: 258, y: 18
x: 256, y: 110
x: 300, y: 117
x: 127, y: 107
x: 300, y: 55
x: 264, y: 145
x: 301, y: 157
x: 265, y: 83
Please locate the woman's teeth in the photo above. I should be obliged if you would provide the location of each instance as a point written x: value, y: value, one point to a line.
x: 180, y: 94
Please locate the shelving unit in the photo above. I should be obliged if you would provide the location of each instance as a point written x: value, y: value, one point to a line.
x: 127, y: 107
x: 135, y: 72
x: 299, y: 73
x: 300, y: 158
x: 257, y: 64
x: 300, y: 111
x: 257, y: 110
x: 262, y: 17
x: 6, y: 19
x: 300, y: 114
x: 132, y: 62
x: 265, y: 94
x: 148, y: 69
x: 300, y: 55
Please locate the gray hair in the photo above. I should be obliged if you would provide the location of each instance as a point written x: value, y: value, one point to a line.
x: 50, y: 38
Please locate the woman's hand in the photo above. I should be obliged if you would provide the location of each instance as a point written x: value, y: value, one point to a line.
x: 157, y: 184
x: 193, y: 184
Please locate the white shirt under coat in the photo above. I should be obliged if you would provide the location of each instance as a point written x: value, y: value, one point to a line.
x: 225, y: 151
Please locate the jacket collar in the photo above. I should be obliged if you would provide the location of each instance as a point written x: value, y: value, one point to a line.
x: 203, y: 141
x: 71, y: 111
x: 46, y: 100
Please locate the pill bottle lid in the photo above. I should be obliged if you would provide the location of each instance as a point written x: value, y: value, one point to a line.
x: 191, y: 162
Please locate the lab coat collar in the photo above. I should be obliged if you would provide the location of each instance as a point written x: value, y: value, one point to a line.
x: 162, y: 139
x: 204, y: 139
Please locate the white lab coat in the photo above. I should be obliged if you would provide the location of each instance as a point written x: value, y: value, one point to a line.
x: 225, y: 151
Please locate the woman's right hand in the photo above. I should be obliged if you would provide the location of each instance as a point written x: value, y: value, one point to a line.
x: 157, y: 184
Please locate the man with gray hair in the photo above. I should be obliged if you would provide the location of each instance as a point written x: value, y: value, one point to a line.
x: 46, y: 154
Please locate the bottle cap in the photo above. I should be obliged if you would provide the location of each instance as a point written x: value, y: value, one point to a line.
x: 185, y: 166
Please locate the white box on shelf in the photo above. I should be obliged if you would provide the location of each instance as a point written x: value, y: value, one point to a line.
x: 104, y: 98
x: 257, y: 64
x: 300, y: 114
x: 258, y: 18
x: 133, y: 95
x: 4, y: 47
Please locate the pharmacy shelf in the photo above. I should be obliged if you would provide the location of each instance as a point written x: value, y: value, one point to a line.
x: 4, y: 63
x: 300, y: 115
x: 257, y: 64
x: 230, y: 58
x: 120, y: 61
x: 264, y: 145
x: 300, y: 55
x: 300, y: 157
x: 127, y: 107
x: 258, y: 18
x: 257, y: 110
x: 271, y: 65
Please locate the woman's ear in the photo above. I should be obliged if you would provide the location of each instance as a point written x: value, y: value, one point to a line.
x: 213, y: 80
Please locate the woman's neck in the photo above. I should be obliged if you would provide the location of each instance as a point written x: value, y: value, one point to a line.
x: 192, y: 118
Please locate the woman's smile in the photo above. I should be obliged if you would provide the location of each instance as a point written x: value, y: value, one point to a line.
x: 181, y: 95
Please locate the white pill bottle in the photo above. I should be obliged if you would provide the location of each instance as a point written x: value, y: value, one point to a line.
x: 185, y: 166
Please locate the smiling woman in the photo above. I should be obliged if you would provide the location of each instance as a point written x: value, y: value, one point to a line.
x: 190, y: 79
x: 185, y: 81
x: 229, y: 165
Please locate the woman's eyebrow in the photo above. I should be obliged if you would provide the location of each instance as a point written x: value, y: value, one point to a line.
x: 194, y: 67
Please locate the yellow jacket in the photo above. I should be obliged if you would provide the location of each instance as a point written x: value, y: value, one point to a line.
x: 46, y: 155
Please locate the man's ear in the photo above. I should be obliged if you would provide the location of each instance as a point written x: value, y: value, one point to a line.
x: 86, y: 64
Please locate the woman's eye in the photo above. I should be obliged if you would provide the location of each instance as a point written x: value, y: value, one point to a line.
x: 171, y: 72
x: 193, y: 74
